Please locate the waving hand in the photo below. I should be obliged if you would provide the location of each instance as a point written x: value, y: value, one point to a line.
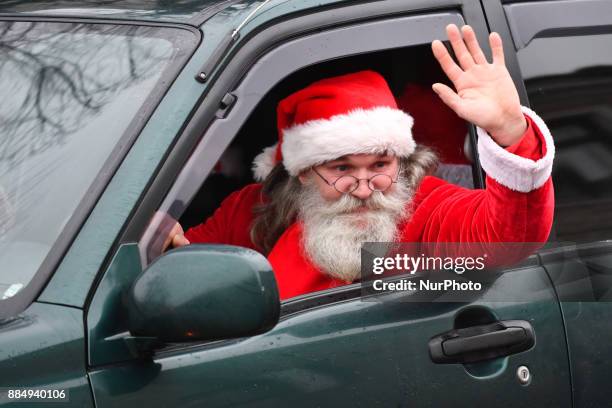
x: 485, y: 94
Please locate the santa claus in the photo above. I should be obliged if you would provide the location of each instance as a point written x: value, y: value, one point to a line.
x: 346, y: 170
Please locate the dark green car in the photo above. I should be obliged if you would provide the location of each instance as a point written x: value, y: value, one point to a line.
x: 117, y: 117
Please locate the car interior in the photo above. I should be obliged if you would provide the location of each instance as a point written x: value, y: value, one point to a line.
x: 409, y: 71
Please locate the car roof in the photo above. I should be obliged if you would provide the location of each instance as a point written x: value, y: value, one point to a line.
x: 193, y: 12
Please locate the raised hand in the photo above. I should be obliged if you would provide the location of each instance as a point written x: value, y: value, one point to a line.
x: 486, y: 95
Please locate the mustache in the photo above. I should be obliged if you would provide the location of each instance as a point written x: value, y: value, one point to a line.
x: 347, y: 203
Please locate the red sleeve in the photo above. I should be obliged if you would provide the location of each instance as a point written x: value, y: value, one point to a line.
x: 516, y: 206
x: 531, y: 145
x: 231, y: 222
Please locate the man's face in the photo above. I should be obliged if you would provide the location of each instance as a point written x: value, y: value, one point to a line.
x: 361, y: 166
x: 336, y: 224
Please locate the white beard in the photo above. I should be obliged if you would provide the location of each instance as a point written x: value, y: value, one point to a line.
x: 333, y: 235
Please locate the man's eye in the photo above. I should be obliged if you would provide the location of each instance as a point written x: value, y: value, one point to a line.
x: 341, y: 167
x: 381, y: 165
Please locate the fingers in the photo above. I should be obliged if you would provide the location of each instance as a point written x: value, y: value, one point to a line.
x: 450, y: 68
x: 497, y: 48
x: 466, y: 48
x: 461, y: 52
x: 448, y: 96
x: 179, y: 240
x: 472, y: 44
x: 175, y: 237
x: 178, y: 236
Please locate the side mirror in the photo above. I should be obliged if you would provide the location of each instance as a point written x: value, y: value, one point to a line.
x: 204, y: 292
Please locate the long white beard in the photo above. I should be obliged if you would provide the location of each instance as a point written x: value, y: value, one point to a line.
x: 333, y: 234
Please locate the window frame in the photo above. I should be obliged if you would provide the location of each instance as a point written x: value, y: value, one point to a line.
x: 557, y: 18
x: 232, y: 77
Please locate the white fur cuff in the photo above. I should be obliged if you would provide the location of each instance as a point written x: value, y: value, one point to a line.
x: 513, y: 171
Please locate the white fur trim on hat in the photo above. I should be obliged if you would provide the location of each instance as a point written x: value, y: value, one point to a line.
x: 264, y: 162
x: 515, y: 172
x: 360, y: 131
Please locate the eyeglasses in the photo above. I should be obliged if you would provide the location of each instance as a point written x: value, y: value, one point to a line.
x: 347, y: 184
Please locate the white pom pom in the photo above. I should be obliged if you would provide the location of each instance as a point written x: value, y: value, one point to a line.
x: 264, y: 162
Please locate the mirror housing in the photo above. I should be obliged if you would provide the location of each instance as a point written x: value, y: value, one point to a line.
x: 204, y: 292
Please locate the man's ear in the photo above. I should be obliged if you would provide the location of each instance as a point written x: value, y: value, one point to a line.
x: 303, y: 177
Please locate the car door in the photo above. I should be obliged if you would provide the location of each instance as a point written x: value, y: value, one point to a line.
x: 329, y: 348
x: 564, y: 50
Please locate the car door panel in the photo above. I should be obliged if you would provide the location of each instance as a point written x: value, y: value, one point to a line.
x: 352, y: 353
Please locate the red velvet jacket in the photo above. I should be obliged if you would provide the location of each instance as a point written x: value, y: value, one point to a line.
x: 516, y: 206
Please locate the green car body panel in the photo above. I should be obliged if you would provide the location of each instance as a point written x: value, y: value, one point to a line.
x: 44, y: 348
x: 105, y: 342
x: 581, y: 282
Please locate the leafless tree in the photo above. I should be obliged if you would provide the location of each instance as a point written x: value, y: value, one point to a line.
x: 57, y: 76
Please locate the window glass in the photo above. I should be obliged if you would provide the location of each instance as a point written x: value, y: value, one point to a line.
x: 569, y: 82
x: 69, y: 92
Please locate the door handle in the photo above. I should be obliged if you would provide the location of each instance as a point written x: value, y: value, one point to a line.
x: 483, y: 342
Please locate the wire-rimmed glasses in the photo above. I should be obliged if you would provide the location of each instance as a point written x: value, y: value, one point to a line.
x: 347, y: 184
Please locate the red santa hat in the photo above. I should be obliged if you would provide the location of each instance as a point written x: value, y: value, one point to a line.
x: 348, y: 114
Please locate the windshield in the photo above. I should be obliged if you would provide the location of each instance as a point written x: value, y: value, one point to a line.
x: 69, y: 93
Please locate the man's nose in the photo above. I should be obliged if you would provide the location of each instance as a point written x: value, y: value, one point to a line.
x: 362, y: 191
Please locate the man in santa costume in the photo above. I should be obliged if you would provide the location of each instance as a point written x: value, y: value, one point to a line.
x: 346, y: 170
